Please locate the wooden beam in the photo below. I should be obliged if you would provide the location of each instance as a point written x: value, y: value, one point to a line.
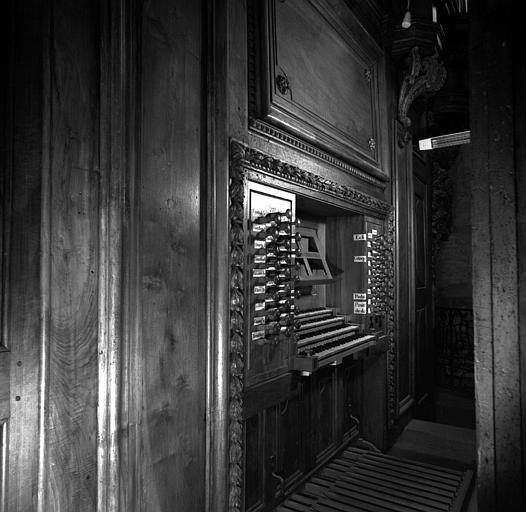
x: 495, y: 259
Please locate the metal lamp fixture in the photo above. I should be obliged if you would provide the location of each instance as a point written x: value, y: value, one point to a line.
x: 406, y: 22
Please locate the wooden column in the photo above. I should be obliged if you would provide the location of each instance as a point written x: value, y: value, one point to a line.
x: 498, y: 214
x: 216, y: 205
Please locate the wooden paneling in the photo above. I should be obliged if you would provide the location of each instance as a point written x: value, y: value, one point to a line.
x: 373, y: 418
x: 348, y: 274
x: 404, y: 335
x: 4, y: 450
x: 323, y: 402
x: 74, y: 181
x: 6, y: 173
x: 226, y: 107
x: 291, y: 440
x: 253, y: 463
x: 300, y: 90
x: 424, y: 349
x: 348, y: 404
x: 170, y: 272
x: 496, y: 74
x: 69, y: 157
x: 519, y: 107
x: 21, y: 147
x: 5, y: 390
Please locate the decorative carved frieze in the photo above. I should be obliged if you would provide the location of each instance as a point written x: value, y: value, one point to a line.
x: 259, y: 161
x: 282, y: 136
x: 425, y: 76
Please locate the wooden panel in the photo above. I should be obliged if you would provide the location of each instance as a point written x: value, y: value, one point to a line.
x: 253, y: 464
x: 5, y: 390
x: 4, y: 450
x: 71, y: 482
x: 21, y: 141
x: 423, y: 338
x: 420, y: 207
x: 291, y: 421
x: 422, y: 353
x: 373, y: 419
x: 170, y: 272
x: 495, y: 218
x: 404, y: 335
x: 323, y: 403
x: 350, y: 275
x: 6, y: 175
x: 351, y: 404
x: 270, y: 456
x: 519, y: 107
x: 303, y: 91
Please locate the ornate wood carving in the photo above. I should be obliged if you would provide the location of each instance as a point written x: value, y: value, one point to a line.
x: 283, y: 84
x: 267, y: 129
x: 259, y: 161
x: 237, y: 193
x: 242, y: 160
x: 423, y: 77
x: 383, y: 302
x: 392, y: 399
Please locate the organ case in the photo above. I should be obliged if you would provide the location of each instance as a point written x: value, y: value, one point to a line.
x: 305, y: 312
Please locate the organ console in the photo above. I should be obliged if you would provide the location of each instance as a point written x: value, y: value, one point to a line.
x: 313, y: 337
x: 308, y: 306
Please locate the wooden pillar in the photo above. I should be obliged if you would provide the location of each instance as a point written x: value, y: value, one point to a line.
x: 499, y: 255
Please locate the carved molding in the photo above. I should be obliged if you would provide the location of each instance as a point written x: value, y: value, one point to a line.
x: 392, y: 399
x: 236, y: 212
x: 272, y: 131
x: 283, y: 84
x: 423, y: 77
x: 291, y: 173
x: 382, y: 283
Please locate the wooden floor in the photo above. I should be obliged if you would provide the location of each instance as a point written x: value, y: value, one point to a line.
x: 436, y: 443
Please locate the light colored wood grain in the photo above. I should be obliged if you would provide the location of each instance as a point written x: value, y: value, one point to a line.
x: 170, y: 263
x: 72, y: 379
x: 22, y: 320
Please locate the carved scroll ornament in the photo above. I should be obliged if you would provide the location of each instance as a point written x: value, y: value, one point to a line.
x: 424, y: 77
